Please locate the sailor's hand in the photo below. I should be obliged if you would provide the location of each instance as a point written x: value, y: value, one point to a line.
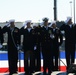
x: 1, y: 45
x: 35, y: 47
x: 18, y: 47
x: 52, y: 36
x: 7, y: 24
x: 63, y: 32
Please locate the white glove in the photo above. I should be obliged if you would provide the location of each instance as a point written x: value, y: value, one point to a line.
x: 0, y: 46
x: 24, y: 25
x: 52, y: 36
x: 7, y: 24
x: 18, y: 47
x: 63, y: 32
x: 35, y: 47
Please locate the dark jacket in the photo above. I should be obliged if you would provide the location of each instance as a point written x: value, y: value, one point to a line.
x: 37, y: 35
x: 28, y: 38
x: 13, y: 37
x: 1, y: 36
x: 69, y: 33
x: 58, y: 38
x: 45, y: 35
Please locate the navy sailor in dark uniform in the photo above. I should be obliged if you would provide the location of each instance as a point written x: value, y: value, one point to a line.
x: 1, y: 38
x: 37, y: 52
x: 28, y: 47
x: 69, y: 31
x: 13, y: 41
x: 46, y: 47
x: 57, y: 40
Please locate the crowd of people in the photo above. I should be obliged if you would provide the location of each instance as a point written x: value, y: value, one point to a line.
x: 44, y: 39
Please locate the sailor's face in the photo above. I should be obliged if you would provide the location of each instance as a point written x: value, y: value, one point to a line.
x: 54, y: 25
x: 12, y: 24
x: 46, y: 23
x: 70, y: 21
x: 28, y: 24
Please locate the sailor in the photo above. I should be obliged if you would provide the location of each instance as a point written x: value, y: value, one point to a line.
x: 13, y: 41
x: 69, y: 30
x: 37, y: 52
x: 57, y: 40
x: 1, y: 38
x: 46, y: 47
x: 28, y: 47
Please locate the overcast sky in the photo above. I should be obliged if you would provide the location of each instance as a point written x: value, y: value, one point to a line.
x: 35, y: 10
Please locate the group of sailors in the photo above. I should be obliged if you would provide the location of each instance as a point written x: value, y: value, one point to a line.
x: 44, y: 39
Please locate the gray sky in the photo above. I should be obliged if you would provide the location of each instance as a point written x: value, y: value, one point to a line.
x: 34, y: 10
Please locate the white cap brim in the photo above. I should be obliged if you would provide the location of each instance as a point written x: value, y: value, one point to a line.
x: 68, y: 18
x: 54, y: 22
x: 25, y: 23
x: 28, y: 21
x: 12, y: 20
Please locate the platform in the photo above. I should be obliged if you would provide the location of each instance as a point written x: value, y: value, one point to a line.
x: 40, y: 73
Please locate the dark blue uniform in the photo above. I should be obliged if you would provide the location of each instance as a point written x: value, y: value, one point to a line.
x: 46, y: 49
x: 55, y: 46
x: 38, y: 50
x: 28, y: 47
x: 13, y: 40
x: 1, y: 36
x: 69, y: 43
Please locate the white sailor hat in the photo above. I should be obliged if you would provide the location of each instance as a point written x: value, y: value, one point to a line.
x: 12, y: 20
x: 65, y: 21
x: 53, y: 22
x: 68, y: 18
x: 8, y: 23
x: 28, y: 21
x: 25, y: 23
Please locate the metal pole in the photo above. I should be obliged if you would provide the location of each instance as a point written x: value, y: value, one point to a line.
x: 74, y: 11
x: 71, y: 7
x: 55, y: 9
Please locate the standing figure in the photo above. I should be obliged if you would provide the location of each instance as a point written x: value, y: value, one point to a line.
x: 57, y: 40
x: 69, y: 31
x: 1, y: 38
x: 12, y: 45
x: 37, y: 30
x: 46, y: 47
x: 28, y: 47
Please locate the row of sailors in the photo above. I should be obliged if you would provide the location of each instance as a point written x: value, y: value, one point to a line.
x: 36, y: 40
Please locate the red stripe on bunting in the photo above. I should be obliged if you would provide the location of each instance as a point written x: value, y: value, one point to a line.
x: 4, y: 70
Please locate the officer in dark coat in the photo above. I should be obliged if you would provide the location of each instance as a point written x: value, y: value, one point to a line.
x: 28, y: 47
x: 13, y: 41
x: 1, y: 38
x: 57, y: 40
x: 46, y: 47
x: 37, y: 52
x: 69, y: 31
